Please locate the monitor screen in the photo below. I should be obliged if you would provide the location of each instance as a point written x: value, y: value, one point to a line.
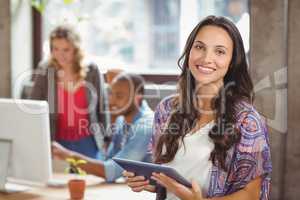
x: 26, y: 124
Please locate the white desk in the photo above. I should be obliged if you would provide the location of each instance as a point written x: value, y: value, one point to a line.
x: 96, y: 189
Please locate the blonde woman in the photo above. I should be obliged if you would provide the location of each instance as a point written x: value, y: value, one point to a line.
x: 74, y: 93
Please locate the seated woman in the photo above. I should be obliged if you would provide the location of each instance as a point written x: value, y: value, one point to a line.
x: 210, y: 132
x: 74, y: 92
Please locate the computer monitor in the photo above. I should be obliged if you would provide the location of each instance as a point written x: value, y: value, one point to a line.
x: 25, y: 124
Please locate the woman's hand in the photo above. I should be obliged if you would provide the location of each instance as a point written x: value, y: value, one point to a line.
x: 178, y: 189
x: 138, y: 183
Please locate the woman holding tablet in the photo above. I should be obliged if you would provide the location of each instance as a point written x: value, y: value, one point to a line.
x: 210, y: 132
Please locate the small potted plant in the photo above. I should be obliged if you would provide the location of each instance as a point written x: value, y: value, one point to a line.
x: 76, y: 185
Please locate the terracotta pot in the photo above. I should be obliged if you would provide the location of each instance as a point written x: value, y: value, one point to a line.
x: 76, y: 189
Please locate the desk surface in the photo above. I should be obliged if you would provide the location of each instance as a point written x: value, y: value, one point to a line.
x: 96, y: 189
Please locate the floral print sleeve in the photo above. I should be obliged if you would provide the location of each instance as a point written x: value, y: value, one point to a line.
x: 249, y: 159
x: 161, y: 116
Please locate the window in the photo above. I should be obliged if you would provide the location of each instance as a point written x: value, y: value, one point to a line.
x: 139, y: 35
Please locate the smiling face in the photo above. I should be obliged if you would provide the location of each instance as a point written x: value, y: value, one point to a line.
x: 121, y: 98
x: 210, y: 55
x: 63, y: 52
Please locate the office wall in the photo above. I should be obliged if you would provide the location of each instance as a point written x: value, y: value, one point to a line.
x: 5, y: 79
x: 274, y: 57
x: 21, y: 46
x: 292, y: 173
x: 267, y: 58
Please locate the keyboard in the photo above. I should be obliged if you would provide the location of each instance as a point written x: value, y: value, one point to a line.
x: 57, y: 183
x: 12, y: 188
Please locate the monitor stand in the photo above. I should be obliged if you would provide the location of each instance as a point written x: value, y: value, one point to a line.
x: 5, y: 154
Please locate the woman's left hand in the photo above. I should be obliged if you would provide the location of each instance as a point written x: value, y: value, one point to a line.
x: 178, y: 189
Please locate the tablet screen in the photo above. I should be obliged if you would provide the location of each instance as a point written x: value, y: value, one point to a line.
x: 146, y: 169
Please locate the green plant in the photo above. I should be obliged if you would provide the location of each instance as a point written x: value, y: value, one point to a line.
x: 76, y: 185
x: 40, y: 5
x: 73, y: 167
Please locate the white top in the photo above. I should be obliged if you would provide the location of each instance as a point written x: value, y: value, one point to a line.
x: 192, y: 159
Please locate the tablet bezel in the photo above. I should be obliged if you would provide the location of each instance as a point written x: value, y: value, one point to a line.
x: 146, y: 169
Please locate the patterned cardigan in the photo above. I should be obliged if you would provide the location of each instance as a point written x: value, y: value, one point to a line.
x: 245, y: 161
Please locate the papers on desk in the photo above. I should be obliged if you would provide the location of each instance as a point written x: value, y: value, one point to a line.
x: 12, y: 188
x: 57, y: 183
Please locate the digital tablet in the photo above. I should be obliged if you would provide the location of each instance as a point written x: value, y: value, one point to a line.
x: 146, y: 169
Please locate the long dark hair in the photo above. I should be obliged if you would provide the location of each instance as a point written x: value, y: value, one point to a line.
x: 237, y: 87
